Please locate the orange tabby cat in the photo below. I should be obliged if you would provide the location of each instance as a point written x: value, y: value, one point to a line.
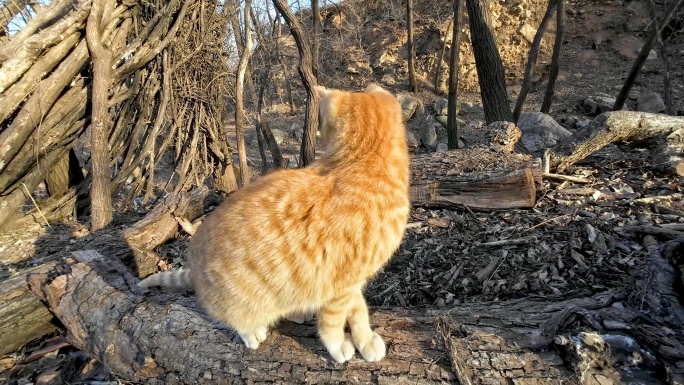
x: 306, y: 241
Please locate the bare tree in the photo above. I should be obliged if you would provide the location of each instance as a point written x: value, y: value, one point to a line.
x: 308, y: 149
x: 100, y: 194
x: 555, y: 58
x: 452, y: 122
x: 656, y: 29
x: 409, y: 43
x: 490, y: 72
x: 316, y: 40
x: 532, y: 59
x: 239, y: 93
x: 440, y: 60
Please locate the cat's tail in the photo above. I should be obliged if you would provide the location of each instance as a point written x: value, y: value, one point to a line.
x: 176, y: 279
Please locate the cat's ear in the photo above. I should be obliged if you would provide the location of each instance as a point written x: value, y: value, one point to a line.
x: 321, y: 91
x: 374, y: 88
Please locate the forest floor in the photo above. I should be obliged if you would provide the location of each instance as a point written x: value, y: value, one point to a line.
x: 572, y: 241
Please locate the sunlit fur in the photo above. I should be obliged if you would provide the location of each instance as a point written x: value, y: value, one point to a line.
x: 297, y: 242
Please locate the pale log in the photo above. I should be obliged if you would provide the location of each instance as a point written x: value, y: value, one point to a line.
x: 477, y: 177
x: 146, y: 336
x: 618, y: 126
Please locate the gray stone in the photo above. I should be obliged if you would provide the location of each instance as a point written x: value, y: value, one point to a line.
x: 540, y: 131
x: 297, y: 133
x: 600, y: 103
x: 650, y: 102
x: 442, y: 119
x: 441, y: 105
x: 581, y: 124
x: 411, y: 140
x: 442, y: 147
x: 409, y: 103
x: 428, y: 134
x: 528, y: 32
x: 278, y: 135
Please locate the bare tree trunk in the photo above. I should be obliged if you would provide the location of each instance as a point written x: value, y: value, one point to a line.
x: 239, y: 104
x: 100, y: 193
x: 308, y: 150
x: 532, y: 59
x: 490, y: 72
x: 264, y: 129
x: 656, y: 29
x: 662, y: 51
x: 316, y: 41
x: 440, y: 60
x: 452, y: 121
x: 555, y: 58
x: 409, y: 43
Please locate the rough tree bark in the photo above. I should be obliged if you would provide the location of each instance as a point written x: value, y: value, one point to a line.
x: 163, y: 338
x: 532, y: 59
x: 490, y: 72
x: 101, y: 211
x: 452, y: 121
x: 617, y: 126
x: 436, y: 80
x: 239, y: 94
x: 308, y: 150
x: 316, y: 40
x: 555, y: 57
x: 409, y: 45
x: 656, y: 29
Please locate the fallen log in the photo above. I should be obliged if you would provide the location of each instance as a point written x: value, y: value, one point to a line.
x: 160, y: 225
x: 23, y: 317
x: 619, y: 126
x: 165, y: 338
x: 477, y: 177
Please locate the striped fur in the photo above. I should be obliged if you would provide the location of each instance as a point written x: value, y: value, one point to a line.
x: 297, y: 242
x: 176, y: 279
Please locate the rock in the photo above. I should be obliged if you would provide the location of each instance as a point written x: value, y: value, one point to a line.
x: 441, y: 105
x: 442, y: 147
x: 428, y: 134
x: 540, y: 131
x: 297, y: 133
x: 279, y: 135
x: 442, y: 119
x: 581, y: 124
x: 514, y: 90
x: 388, y: 80
x: 650, y: 102
x: 600, y: 103
x: 411, y: 140
x: 528, y: 32
x: 292, y: 162
x: 409, y: 103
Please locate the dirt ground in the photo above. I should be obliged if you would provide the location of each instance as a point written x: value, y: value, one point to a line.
x: 572, y: 241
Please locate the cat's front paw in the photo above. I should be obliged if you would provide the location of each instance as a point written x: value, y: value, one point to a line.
x: 372, y: 349
x: 342, y: 352
x: 252, y: 340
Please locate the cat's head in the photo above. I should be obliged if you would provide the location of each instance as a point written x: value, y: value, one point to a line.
x: 332, y: 114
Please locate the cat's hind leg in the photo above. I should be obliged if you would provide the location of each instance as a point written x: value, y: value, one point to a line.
x: 300, y: 317
x: 368, y: 342
x: 331, y: 320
